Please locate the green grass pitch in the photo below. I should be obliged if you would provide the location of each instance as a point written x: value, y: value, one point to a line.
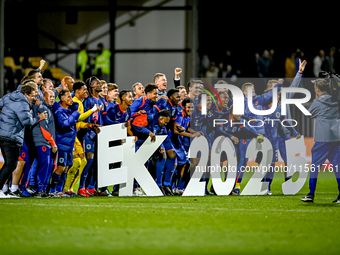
x: 275, y: 224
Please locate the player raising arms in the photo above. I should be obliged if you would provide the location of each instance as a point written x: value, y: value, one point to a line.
x: 273, y: 130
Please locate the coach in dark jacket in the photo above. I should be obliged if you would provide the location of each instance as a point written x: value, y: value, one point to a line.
x: 15, y: 116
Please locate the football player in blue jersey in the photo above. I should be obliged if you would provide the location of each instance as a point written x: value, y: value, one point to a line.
x: 227, y: 91
x: 142, y: 114
x: 88, y: 176
x: 181, y: 143
x: 273, y: 130
x: 240, y: 135
x: 283, y: 132
x: 103, y: 92
x: 145, y: 103
x: 258, y: 103
x: 121, y: 112
x: 182, y: 93
x: 204, y: 123
x: 112, y: 95
x: 142, y: 111
x: 66, y: 131
x: 172, y: 105
x: 143, y: 126
x: 194, y: 89
x: 221, y: 111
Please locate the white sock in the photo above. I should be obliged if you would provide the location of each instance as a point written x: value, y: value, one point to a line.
x: 14, y: 188
x: 5, y: 188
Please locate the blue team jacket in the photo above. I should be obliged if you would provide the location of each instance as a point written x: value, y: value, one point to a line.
x: 178, y: 140
x: 163, y: 104
x: 15, y: 116
x: 142, y: 103
x: 66, y: 130
x: 96, y: 117
x: 241, y: 131
x: 116, y: 115
x: 44, y: 133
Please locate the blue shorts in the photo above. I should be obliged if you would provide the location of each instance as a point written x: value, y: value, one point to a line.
x: 182, y: 156
x: 88, y: 145
x: 275, y: 144
x: 167, y: 144
x: 186, y: 142
x: 24, y: 153
x: 65, y: 158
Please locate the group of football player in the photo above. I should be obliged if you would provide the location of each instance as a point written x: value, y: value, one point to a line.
x: 57, y: 147
x: 220, y: 120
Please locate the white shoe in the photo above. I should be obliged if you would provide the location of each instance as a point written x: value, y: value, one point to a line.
x: 54, y: 194
x: 180, y: 191
x: 269, y: 193
x: 62, y: 194
x: 177, y: 192
x: 2, y: 195
x: 138, y: 192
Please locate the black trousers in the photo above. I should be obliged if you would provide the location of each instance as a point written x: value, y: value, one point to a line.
x: 11, y: 152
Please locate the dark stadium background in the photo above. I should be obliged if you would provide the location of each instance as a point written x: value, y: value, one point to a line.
x: 247, y: 29
x: 242, y: 27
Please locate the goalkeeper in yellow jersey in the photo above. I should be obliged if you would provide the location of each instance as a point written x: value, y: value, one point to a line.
x: 79, y: 159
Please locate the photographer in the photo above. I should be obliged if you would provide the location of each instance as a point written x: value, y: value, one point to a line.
x: 327, y: 144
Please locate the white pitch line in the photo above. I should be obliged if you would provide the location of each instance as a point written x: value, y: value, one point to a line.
x: 116, y: 206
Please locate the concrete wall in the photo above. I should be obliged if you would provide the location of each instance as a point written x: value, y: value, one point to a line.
x: 154, y: 30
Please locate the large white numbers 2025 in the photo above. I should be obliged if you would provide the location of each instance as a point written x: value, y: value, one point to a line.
x: 295, y: 164
x: 255, y: 186
x: 221, y: 144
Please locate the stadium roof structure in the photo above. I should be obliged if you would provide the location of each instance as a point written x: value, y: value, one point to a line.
x: 19, y: 19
